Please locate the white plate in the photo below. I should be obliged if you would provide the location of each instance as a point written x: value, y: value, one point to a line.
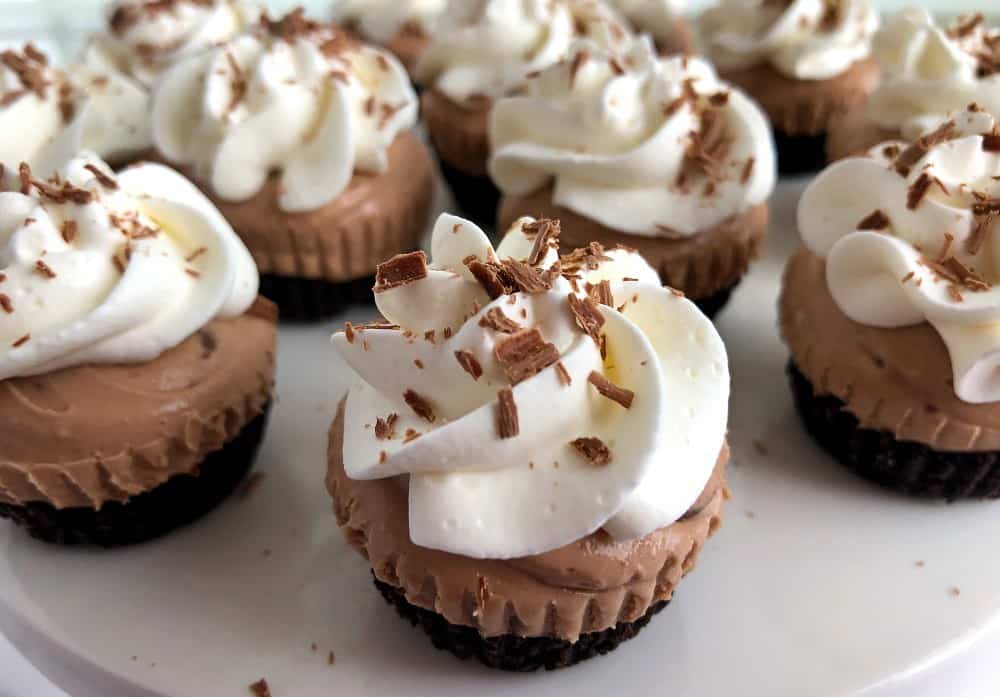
x: 810, y: 588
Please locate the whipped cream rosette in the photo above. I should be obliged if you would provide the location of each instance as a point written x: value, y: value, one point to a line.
x: 486, y: 48
x: 908, y: 237
x: 37, y: 102
x: 381, y: 20
x: 929, y: 71
x: 648, y: 146
x: 660, y: 18
x: 293, y: 96
x: 525, y: 413
x: 103, y: 269
x: 802, y: 39
x: 145, y: 37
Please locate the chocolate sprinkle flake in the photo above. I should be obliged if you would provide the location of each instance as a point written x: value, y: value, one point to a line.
x: 260, y: 688
x: 44, y: 269
x: 525, y: 354
x: 507, y: 423
x: 610, y: 390
x: 401, y: 270
x: 496, y: 320
x: 876, y: 220
x: 984, y: 224
x: 419, y: 406
x: 6, y: 304
x: 564, y: 376
x: 488, y: 276
x: 747, y: 170
x: 593, y: 450
x: 525, y: 278
x: 588, y: 316
x: 919, y: 148
x: 22, y: 341
x: 385, y: 429
x: 68, y: 231
x: 578, y: 60
x: 469, y: 363
x: 601, y: 294
x: 105, y: 180
x: 546, y: 231
x: 918, y: 190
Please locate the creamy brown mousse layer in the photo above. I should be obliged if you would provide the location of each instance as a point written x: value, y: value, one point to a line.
x: 682, y: 39
x: 700, y: 266
x: 806, y: 107
x: 895, y: 380
x: 459, y: 132
x: 587, y: 586
x: 84, y: 436
x: 852, y: 134
x: 376, y: 217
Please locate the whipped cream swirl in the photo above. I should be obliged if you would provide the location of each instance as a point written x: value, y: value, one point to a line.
x: 486, y: 48
x: 145, y: 37
x: 656, y: 17
x: 802, y: 39
x: 381, y: 20
x: 648, y: 146
x: 929, y: 71
x: 99, y: 269
x: 479, y: 491
x: 37, y: 102
x: 294, y: 97
x: 909, y: 235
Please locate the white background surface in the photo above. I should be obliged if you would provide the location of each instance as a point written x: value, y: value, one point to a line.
x: 915, y: 605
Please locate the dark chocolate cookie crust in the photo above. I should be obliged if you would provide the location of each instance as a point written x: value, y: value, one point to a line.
x: 800, y: 154
x: 178, y: 501
x: 904, y: 466
x: 713, y: 304
x: 510, y: 652
x: 477, y: 197
x: 311, y: 299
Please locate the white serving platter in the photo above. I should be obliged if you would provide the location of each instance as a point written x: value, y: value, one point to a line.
x: 811, y: 587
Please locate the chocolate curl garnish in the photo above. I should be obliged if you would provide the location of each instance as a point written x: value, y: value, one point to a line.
x: 401, y: 270
x: 496, y: 320
x: 546, y: 232
x: 469, y: 363
x: 622, y: 396
x: 419, y: 405
x: 876, y: 220
x: 588, y: 316
x: 507, y: 422
x: 593, y: 451
x: 918, y: 149
x: 385, y: 429
x: 525, y: 354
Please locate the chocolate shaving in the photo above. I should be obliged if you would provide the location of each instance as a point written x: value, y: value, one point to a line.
x: 919, y: 148
x: 564, y: 376
x: 588, y: 257
x: 488, y: 274
x: 507, y: 423
x: 22, y: 341
x: 984, y: 225
x: 385, y: 429
x: 108, y: 182
x: 260, y: 688
x: 707, y: 148
x: 44, y: 269
x: 524, y: 278
x: 68, y: 231
x: 588, y: 316
x: 546, y: 231
x: 195, y: 254
x: 601, y: 294
x: 918, y: 190
x: 6, y: 303
x: 965, y: 276
x: 593, y: 451
x: 496, y: 320
x: 876, y: 220
x: 610, y: 390
x: 524, y: 354
x: 401, y: 270
x: 965, y: 25
x: 747, y: 170
x: 419, y: 406
x: 469, y: 363
x: 578, y: 60
x: 410, y: 435
x: 945, y: 246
